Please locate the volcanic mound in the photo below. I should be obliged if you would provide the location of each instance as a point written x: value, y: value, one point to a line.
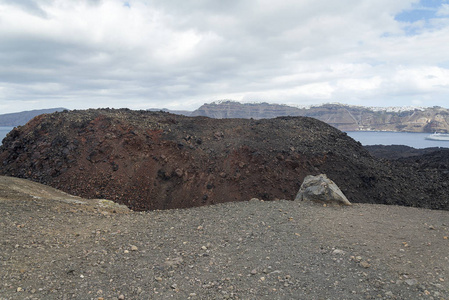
x: 156, y: 160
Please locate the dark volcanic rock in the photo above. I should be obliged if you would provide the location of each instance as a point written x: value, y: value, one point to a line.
x: 437, y: 159
x: 398, y: 151
x: 156, y: 160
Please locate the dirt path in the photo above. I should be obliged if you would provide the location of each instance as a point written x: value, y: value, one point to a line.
x: 55, y: 246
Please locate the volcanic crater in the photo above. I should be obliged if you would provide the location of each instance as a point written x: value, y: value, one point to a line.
x: 157, y: 160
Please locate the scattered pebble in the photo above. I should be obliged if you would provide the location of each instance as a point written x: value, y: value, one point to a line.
x: 338, y: 251
x: 411, y: 282
x: 365, y: 264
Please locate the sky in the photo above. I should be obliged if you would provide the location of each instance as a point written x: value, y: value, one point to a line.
x: 180, y: 54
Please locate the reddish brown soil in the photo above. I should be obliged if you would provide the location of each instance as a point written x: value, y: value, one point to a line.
x: 155, y: 160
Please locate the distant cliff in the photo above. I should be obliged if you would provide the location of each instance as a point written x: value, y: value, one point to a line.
x: 343, y: 117
x: 21, y: 118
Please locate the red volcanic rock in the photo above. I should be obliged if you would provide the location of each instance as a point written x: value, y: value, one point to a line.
x: 155, y: 160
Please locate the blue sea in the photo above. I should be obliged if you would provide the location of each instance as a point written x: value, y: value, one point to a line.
x: 415, y: 140
x: 3, y: 132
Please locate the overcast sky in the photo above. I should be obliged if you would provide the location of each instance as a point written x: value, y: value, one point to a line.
x: 179, y: 54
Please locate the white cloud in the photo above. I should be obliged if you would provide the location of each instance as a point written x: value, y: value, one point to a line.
x: 180, y: 54
x: 443, y: 10
x: 354, y: 84
x: 424, y: 79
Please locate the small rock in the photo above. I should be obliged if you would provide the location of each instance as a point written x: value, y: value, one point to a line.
x: 178, y: 172
x: 158, y: 279
x: 174, y: 261
x: 19, y: 289
x: 365, y: 264
x: 338, y: 251
x: 253, y: 272
x: 134, y: 248
x: 411, y: 281
x: 121, y: 297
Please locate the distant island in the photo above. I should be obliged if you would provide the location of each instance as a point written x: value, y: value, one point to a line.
x: 341, y: 116
x: 21, y: 118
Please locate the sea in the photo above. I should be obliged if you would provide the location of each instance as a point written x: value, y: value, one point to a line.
x: 415, y: 140
x: 3, y: 132
x: 411, y: 139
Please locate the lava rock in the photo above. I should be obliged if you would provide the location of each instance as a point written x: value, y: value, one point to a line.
x: 134, y: 158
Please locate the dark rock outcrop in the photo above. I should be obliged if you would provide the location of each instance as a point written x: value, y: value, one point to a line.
x: 156, y: 160
x: 393, y: 152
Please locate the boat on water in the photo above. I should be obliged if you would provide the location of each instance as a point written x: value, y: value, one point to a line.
x: 438, y: 137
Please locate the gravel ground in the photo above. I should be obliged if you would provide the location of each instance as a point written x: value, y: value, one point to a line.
x: 56, y: 246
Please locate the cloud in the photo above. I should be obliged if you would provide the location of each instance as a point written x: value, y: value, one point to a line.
x: 443, y: 10
x: 28, y: 6
x: 180, y: 54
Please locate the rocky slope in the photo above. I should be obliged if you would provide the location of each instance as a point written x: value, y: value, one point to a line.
x: 156, y: 160
x: 343, y: 117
